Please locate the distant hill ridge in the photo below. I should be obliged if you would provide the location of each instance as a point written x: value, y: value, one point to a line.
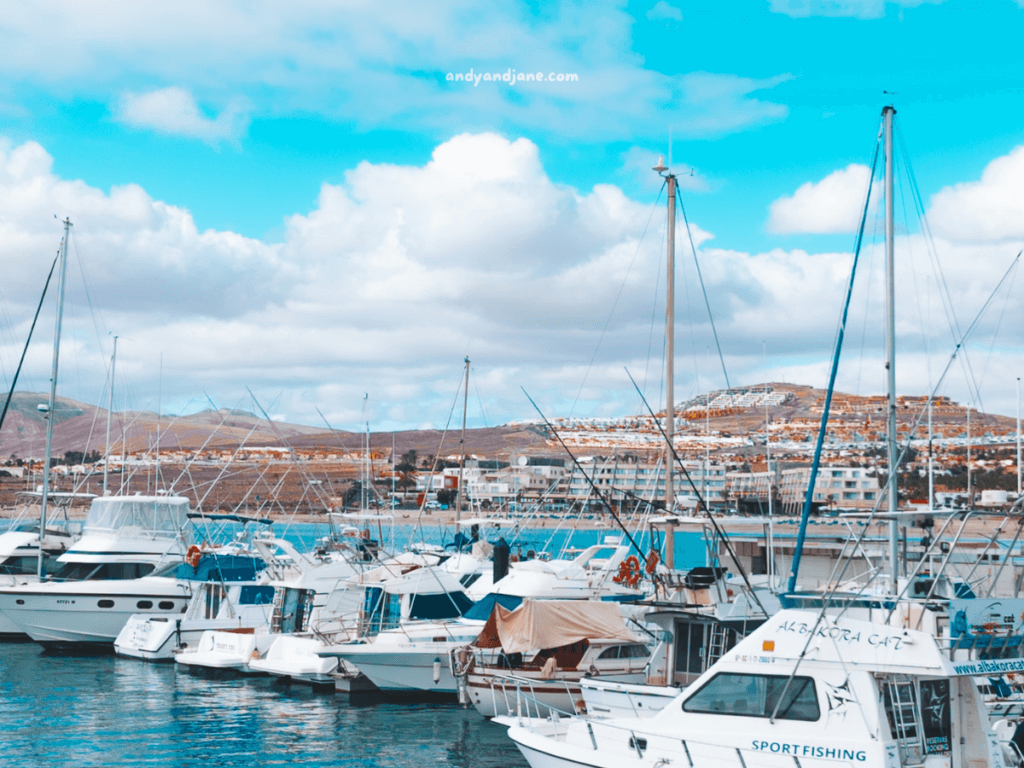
x: 82, y: 427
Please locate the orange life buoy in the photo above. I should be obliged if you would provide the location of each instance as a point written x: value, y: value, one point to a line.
x: 193, y: 556
x: 632, y: 566
x: 652, y: 563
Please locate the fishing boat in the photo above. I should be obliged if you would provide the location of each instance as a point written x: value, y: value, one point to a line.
x: 803, y: 689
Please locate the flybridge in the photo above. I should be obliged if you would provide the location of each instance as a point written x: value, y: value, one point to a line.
x: 151, y: 514
x: 794, y: 634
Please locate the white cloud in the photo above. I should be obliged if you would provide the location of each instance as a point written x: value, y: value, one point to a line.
x: 347, y: 61
x: 663, y: 11
x: 861, y: 9
x: 833, y: 205
x: 174, y: 111
x: 711, y: 104
x: 400, y: 271
x: 988, y: 210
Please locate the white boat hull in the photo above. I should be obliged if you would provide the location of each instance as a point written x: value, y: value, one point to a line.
x: 224, y: 651
x: 295, y: 658
x: 604, y: 698
x: 88, y: 613
x: 406, y: 670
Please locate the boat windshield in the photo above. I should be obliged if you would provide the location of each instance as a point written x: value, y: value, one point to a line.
x: 729, y: 693
x: 101, y: 571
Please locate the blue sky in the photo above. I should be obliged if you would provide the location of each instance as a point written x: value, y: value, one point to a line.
x: 229, y: 171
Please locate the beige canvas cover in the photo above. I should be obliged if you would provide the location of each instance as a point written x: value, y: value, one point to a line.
x: 539, y: 624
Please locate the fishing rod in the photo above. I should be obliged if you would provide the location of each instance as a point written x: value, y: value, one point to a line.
x: 593, y: 485
x: 718, y: 531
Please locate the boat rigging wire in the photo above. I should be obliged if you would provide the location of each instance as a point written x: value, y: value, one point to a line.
x: 944, y: 292
x: 840, y: 332
x: 714, y: 524
x: 590, y: 480
x: 17, y: 372
x: 615, y: 303
x: 704, y: 290
x: 893, y: 471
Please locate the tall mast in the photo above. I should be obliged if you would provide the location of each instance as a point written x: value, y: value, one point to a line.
x: 462, y: 461
x: 41, y: 568
x: 931, y: 464
x: 110, y: 410
x: 890, y: 349
x: 364, y: 500
x: 670, y: 358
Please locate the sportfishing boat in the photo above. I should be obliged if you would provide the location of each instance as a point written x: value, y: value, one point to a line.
x: 125, y: 562
x: 803, y: 689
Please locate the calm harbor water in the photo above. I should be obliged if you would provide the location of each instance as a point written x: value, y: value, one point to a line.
x: 61, y: 710
x: 108, y: 711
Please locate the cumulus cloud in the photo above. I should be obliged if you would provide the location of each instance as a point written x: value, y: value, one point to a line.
x: 174, y: 111
x: 130, y: 240
x: 713, y: 104
x: 988, y: 210
x: 663, y: 11
x: 346, y: 62
x: 398, y: 272
x: 833, y: 205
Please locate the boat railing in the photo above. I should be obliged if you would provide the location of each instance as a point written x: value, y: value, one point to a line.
x: 520, y: 698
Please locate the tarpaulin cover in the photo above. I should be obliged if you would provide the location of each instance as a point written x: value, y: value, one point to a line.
x: 540, y: 624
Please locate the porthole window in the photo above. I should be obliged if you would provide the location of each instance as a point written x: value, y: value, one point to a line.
x: 19, y: 601
x: 166, y: 605
x: 144, y: 604
x: 106, y: 603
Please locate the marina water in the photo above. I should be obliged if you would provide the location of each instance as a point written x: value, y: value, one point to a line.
x: 104, y: 710
x: 109, y: 711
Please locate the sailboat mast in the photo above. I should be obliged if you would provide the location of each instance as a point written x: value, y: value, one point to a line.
x: 670, y: 359
x: 110, y: 410
x: 890, y: 348
x: 670, y: 346
x: 462, y: 461
x: 41, y: 568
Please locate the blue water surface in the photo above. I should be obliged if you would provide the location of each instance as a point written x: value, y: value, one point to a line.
x: 110, y: 711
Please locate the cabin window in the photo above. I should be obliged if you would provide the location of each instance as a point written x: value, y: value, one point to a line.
x: 144, y: 604
x: 166, y: 605
x: 625, y: 652
x: 213, y: 596
x: 253, y: 595
x: 106, y: 603
x: 449, y: 605
x: 380, y: 610
x: 469, y: 579
x: 16, y: 566
x: 102, y: 571
x: 729, y: 693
